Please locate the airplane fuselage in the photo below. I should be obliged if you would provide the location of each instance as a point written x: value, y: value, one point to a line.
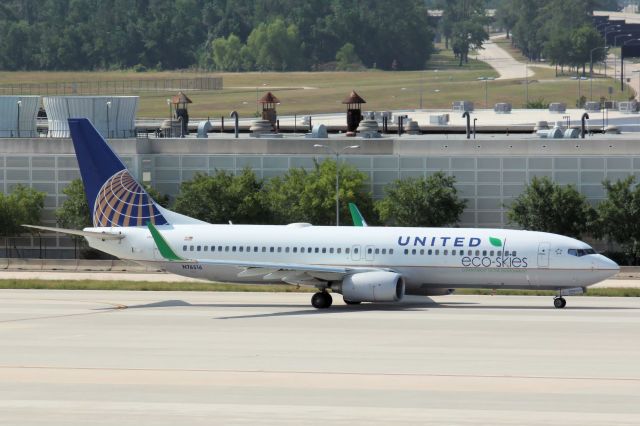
x: 429, y: 259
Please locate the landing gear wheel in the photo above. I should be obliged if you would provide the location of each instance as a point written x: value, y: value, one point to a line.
x: 321, y: 300
x: 352, y: 302
x: 559, y: 302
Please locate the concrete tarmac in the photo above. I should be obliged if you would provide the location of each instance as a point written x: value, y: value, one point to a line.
x: 172, y: 358
x: 622, y: 280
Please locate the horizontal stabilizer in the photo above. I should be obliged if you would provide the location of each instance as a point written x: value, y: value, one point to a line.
x: 88, y: 234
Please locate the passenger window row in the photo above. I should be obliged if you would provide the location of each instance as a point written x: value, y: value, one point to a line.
x: 437, y: 252
x: 275, y: 249
x: 370, y: 250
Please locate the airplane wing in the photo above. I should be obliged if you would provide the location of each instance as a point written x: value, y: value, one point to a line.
x: 91, y: 234
x: 292, y: 273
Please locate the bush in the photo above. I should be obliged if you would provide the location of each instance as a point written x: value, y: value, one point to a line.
x: 139, y: 68
x: 539, y: 103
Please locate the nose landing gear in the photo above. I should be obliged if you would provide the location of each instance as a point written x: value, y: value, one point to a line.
x: 559, y: 302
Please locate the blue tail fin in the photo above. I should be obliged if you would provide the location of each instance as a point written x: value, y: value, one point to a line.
x: 114, y: 196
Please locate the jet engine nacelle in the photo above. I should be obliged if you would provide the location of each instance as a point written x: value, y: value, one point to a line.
x: 375, y: 286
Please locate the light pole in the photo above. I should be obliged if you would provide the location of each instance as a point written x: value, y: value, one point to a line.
x: 622, y: 61
x: 19, y: 105
x: 108, y: 128
x: 615, y: 44
x: 170, y: 124
x: 337, y: 154
x: 591, y: 68
x: 486, y: 89
x: 615, y: 38
x: 526, y: 82
x: 422, y: 82
x: 606, y: 32
x: 579, y: 78
x: 638, y: 72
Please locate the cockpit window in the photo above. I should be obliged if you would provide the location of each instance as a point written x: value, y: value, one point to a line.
x: 580, y: 252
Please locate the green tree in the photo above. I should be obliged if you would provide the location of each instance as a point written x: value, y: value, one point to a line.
x: 223, y: 197
x: 619, y: 215
x: 612, y: 5
x: 406, y: 36
x: 432, y: 201
x: 347, y: 59
x: 79, y: 34
x: 583, y: 42
x: 226, y: 55
x: 549, y: 207
x: 463, y: 22
x: 160, y: 198
x: 310, y: 196
x: 74, y: 212
x: 526, y: 34
x: 558, y: 49
x: 275, y: 46
x: 23, y: 206
x: 506, y: 15
x: 549, y: 27
x: 468, y: 35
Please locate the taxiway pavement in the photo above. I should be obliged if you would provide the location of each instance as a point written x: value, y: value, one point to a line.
x: 167, y: 358
x: 622, y: 280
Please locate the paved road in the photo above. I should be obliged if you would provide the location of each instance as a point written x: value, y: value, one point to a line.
x: 131, y: 358
x: 502, y: 61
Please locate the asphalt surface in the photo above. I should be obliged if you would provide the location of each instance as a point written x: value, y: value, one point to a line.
x: 167, y: 358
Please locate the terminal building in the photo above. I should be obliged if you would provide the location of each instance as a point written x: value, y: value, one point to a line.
x: 490, y: 169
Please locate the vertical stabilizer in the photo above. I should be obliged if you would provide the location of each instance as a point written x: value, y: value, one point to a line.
x: 114, y: 196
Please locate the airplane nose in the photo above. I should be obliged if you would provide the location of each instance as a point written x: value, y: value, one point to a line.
x: 606, y: 264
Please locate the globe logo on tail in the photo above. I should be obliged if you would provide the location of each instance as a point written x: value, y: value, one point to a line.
x: 123, y: 202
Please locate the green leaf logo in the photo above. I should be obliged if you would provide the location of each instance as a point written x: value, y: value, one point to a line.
x: 496, y: 242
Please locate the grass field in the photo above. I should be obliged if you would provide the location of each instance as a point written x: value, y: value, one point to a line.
x: 182, y: 286
x: 306, y: 93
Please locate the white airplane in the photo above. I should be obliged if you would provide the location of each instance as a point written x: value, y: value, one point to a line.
x: 364, y: 264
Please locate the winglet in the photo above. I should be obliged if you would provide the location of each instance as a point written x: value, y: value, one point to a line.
x: 358, y: 220
x: 163, y: 247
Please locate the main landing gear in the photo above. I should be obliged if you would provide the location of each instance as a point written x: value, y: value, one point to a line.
x: 559, y: 302
x: 321, y: 300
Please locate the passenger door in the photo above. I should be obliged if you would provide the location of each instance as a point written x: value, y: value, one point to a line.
x: 543, y: 255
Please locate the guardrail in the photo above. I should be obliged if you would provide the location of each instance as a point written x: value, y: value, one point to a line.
x: 74, y: 265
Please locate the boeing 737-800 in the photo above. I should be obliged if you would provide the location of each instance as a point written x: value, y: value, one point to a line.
x: 364, y: 264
